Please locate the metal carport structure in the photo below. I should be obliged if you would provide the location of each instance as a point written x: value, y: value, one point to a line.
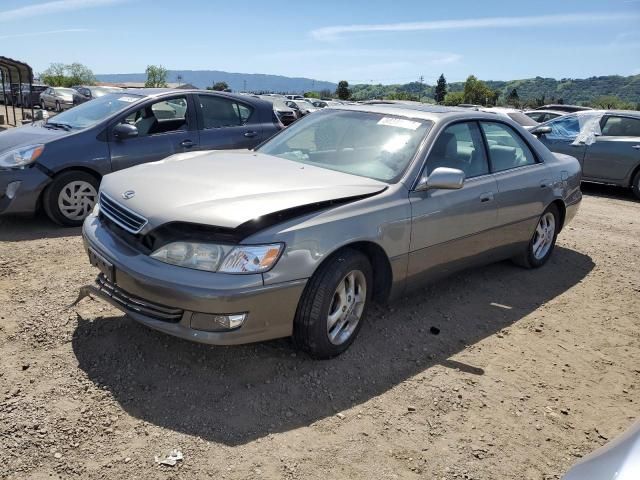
x: 16, y: 72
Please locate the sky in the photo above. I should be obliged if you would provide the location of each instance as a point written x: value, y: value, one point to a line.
x: 371, y: 41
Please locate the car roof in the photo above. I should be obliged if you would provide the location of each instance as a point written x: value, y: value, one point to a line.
x: 435, y: 113
x: 628, y: 113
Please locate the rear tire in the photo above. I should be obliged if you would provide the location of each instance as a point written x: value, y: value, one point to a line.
x: 334, y: 304
x: 70, y: 198
x: 543, y: 240
x: 635, y: 185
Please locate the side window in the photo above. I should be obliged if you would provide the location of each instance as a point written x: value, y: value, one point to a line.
x: 506, y: 148
x: 160, y: 117
x: 244, y: 111
x: 565, y: 128
x: 459, y: 146
x: 621, y: 127
x: 218, y: 112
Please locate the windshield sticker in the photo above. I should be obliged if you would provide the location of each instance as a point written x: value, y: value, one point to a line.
x: 128, y: 99
x: 399, y: 122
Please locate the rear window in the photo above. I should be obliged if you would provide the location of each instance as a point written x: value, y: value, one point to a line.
x: 522, y: 119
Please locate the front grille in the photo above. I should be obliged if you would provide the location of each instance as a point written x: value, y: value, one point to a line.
x: 137, y: 304
x: 122, y: 216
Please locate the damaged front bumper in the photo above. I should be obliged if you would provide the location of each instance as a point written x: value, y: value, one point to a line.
x: 201, y: 306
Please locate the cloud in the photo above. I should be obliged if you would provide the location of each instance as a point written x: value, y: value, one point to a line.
x: 48, y: 32
x: 48, y: 8
x: 337, y: 31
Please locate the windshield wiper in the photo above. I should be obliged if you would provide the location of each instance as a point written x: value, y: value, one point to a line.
x: 64, y: 126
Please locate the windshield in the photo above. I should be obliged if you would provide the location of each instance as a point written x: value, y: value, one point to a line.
x: 68, y: 91
x: 361, y: 143
x: 89, y: 113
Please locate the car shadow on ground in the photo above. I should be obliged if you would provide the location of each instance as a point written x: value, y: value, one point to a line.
x: 234, y: 395
x: 15, y: 228
x: 608, y: 191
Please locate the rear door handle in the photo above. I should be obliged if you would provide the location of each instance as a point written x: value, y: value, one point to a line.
x: 186, y: 143
x: 545, y: 183
x: 486, y: 197
x: 637, y: 147
x: 250, y: 134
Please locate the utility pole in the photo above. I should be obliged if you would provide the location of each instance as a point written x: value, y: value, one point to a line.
x: 420, y: 92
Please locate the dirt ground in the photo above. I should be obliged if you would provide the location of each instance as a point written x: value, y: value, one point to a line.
x: 530, y: 371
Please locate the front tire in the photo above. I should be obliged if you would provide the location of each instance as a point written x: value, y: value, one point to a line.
x: 70, y: 198
x: 334, y: 305
x: 543, y: 240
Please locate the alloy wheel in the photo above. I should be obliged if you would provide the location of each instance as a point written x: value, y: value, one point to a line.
x: 544, y: 235
x: 346, y: 308
x: 77, y: 199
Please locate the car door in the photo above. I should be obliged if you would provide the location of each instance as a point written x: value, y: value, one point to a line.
x: 165, y: 127
x: 616, y: 153
x: 564, y: 131
x: 225, y: 123
x: 453, y: 229
x: 45, y: 98
x: 524, y: 184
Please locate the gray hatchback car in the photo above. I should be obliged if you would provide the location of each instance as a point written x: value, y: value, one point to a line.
x: 58, y: 164
x: 346, y: 206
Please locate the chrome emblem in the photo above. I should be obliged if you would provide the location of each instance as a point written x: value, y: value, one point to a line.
x: 128, y: 194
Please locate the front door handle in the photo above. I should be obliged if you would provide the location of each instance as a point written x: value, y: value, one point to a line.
x: 486, y: 197
x: 186, y: 143
x: 637, y: 147
x: 250, y: 134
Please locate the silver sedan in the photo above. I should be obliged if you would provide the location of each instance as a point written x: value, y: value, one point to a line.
x: 349, y: 205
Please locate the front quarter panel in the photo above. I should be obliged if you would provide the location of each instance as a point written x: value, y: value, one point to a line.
x: 384, y: 219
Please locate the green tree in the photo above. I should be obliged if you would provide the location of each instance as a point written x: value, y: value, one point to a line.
x: 477, y: 92
x: 80, y: 74
x: 156, y: 76
x: 513, y: 98
x: 343, y: 92
x: 452, y: 99
x: 219, y: 86
x: 441, y: 89
x: 610, y: 102
x: 61, y: 75
x: 402, y: 96
x: 311, y: 95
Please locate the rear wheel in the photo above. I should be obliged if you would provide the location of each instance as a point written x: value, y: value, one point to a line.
x: 333, y: 305
x: 543, y: 241
x: 635, y: 185
x: 70, y: 198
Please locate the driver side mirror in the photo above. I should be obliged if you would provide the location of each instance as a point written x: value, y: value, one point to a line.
x: 540, y: 130
x: 122, y: 131
x: 442, y: 178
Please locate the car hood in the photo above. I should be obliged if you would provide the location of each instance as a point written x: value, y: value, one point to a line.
x: 228, y: 188
x: 31, y: 134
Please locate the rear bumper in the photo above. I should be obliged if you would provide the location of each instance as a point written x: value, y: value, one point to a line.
x: 25, y: 200
x: 181, y: 292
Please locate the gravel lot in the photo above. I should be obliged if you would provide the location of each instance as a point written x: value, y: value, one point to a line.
x: 530, y: 371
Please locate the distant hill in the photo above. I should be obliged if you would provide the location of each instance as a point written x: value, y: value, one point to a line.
x: 573, y: 91
x: 236, y: 81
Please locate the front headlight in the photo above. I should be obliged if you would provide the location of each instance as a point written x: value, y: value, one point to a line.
x: 220, y: 258
x: 20, y: 157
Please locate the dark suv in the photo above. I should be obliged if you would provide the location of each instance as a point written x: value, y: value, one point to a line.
x: 58, y: 163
